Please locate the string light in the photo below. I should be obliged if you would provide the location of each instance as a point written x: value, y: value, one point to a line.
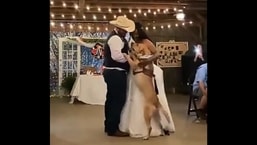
x: 180, y: 16
x: 52, y: 23
x: 94, y: 17
x: 98, y: 27
x: 76, y: 6
x: 78, y: 26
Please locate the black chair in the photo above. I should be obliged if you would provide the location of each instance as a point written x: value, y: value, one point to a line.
x: 192, y: 98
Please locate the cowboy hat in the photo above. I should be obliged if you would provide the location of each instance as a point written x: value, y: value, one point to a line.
x: 124, y: 23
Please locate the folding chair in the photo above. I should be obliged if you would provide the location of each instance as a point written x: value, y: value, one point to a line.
x: 192, y: 98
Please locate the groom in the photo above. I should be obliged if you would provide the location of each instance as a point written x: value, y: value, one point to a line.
x: 115, y: 73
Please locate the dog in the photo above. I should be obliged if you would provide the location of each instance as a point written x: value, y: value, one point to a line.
x: 143, y: 74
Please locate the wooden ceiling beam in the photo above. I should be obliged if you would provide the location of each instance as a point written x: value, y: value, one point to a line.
x: 146, y: 21
x: 146, y: 7
x: 130, y: 4
x: 81, y: 6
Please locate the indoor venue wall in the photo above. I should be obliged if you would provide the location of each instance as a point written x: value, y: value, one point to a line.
x: 172, y: 76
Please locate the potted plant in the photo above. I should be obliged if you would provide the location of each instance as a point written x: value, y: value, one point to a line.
x: 67, y: 83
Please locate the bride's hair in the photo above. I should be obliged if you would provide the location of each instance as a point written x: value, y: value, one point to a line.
x: 141, y: 33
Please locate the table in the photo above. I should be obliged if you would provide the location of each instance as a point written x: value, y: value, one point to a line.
x: 90, y: 89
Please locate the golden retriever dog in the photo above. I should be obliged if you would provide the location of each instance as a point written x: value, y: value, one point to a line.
x: 143, y: 74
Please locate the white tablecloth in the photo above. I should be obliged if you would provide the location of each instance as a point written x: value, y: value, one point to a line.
x: 89, y: 89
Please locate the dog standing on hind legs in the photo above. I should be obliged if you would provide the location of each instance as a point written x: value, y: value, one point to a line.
x: 138, y: 59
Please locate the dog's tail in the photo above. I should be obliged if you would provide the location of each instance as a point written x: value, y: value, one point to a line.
x: 165, y: 113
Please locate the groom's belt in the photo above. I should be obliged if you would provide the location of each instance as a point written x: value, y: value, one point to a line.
x: 116, y: 68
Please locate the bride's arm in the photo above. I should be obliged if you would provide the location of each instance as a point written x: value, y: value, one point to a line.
x: 153, y: 50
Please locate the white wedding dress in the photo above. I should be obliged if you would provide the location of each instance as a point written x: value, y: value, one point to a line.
x: 132, y: 116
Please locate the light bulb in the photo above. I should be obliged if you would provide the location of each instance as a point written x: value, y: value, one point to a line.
x: 180, y: 16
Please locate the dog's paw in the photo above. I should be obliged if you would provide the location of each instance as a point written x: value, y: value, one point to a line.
x: 146, y: 138
x: 162, y: 133
x: 166, y: 132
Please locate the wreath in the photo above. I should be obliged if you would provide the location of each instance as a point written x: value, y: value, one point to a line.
x: 98, y: 51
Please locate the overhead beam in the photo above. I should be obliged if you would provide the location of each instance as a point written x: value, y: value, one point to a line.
x: 81, y: 6
x: 201, y: 18
x: 113, y: 11
x: 146, y: 22
x: 146, y: 7
x: 136, y: 4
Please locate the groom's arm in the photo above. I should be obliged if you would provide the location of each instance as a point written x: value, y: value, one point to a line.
x: 116, y: 44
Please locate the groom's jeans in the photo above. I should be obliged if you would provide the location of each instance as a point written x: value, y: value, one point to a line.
x: 116, y: 81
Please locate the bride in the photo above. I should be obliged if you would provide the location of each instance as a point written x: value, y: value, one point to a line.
x: 132, y: 116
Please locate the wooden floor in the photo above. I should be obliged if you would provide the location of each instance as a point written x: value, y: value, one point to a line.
x: 81, y: 124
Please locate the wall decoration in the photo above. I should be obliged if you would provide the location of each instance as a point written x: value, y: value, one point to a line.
x: 53, y: 63
x: 69, y: 59
x: 170, y: 53
x: 86, y: 58
x: 89, y: 60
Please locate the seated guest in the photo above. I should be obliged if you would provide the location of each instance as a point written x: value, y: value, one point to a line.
x: 200, y: 89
